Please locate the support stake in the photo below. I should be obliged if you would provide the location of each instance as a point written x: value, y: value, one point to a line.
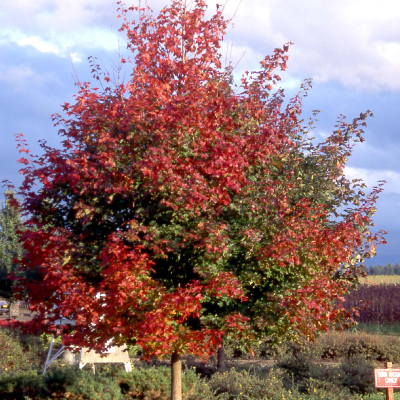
x: 389, y: 390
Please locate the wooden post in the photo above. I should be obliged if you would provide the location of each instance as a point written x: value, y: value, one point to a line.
x: 176, y: 377
x: 389, y: 390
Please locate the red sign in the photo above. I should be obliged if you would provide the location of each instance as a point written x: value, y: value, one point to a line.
x: 387, y: 378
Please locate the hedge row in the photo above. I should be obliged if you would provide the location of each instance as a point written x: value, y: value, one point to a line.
x: 295, y: 379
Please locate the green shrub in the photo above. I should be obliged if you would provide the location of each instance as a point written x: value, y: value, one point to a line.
x: 17, y: 353
x: 354, y: 375
x: 72, y: 383
x: 44, y: 340
x: 155, y: 383
x: 203, y: 391
x: 86, y: 385
x: 381, y: 396
x: 332, y: 345
x: 267, y: 349
x: 299, y: 367
x: 298, y: 376
x: 255, y: 385
x: 27, y: 384
x: 357, y: 374
x: 351, y: 380
x: 325, y: 389
x: 338, y: 345
x: 134, y: 350
x: 57, y: 380
x: 152, y: 383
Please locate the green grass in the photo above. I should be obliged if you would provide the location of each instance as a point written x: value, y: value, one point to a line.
x: 381, y: 329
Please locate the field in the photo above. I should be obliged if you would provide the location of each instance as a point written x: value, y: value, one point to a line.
x: 381, y: 279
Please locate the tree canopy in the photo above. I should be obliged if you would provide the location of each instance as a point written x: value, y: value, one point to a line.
x: 10, y: 247
x: 181, y: 207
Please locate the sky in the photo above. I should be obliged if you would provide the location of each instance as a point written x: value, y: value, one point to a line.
x: 350, y: 48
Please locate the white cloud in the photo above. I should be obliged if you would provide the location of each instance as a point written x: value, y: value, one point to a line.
x: 354, y: 42
x: 59, y: 15
x: 52, y: 26
x: 38, y: 44
x: 75, y: 57
x: 78, y: 44
x: 371, y: 178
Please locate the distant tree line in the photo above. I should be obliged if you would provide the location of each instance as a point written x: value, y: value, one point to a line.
x: 388, y: 269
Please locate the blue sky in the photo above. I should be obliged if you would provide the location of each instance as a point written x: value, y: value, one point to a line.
x: 350, y: 48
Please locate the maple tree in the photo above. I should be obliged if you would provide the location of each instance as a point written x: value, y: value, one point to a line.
x: 181, y: 208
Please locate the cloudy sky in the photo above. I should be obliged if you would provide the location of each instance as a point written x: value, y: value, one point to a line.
x: 350, y: 48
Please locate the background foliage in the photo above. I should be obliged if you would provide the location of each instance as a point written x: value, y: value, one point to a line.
x: 10, y: 246
x: 387, y: 269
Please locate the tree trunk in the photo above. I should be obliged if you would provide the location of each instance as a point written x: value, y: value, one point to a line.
x: 176, y: 377
x: 221, y: 358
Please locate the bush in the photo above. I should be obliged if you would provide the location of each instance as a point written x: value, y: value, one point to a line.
x: 72, y: 383
x: 59, y: 380
x: 357, y: 374
x: 351, y: 380
x: 298, y: 376
x: 332, y: 345
x: 27, y: 384
x: 155, y: 383
x: 17, y: 353
x: 328, y: 346
x: 298, y: 367
x: 354, y: 375
x: 86, y: 385
x: 325, y: 390
x: 258, y: 384
x: 338, y: 345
